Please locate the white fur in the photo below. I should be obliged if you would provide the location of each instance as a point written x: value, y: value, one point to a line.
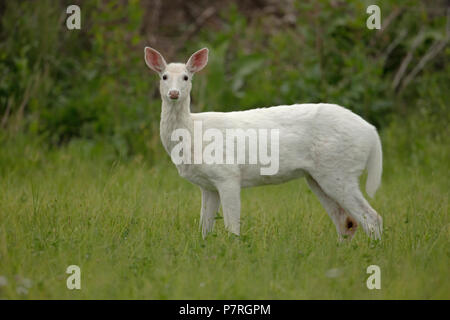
x: 327, y: 143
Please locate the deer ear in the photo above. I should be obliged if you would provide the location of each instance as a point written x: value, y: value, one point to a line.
x: 154, y: 60
x: 197, y: 61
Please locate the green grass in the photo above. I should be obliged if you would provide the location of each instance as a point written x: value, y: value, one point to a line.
x: 133, y: 230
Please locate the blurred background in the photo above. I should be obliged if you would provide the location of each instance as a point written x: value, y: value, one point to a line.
x: 91, y: 88
x: 84, y: 178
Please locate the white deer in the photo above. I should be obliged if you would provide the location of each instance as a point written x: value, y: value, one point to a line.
x: 326, y: 143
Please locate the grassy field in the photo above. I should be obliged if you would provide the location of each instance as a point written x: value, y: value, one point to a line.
x: 133, y: 230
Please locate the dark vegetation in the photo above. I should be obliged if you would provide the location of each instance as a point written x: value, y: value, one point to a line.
x: 58, y: 86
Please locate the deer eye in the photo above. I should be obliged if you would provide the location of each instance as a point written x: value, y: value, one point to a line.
x: 185, y: 78
x: 164, y: 77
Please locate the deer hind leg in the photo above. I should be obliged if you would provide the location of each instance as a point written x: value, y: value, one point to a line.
x: 346, y: 226
x: 345, y: 191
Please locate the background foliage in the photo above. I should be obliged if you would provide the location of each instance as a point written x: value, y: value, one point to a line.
x: 84, y: 179
x: 59, y: 86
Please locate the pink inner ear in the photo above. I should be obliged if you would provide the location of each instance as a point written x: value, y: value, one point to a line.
x: 155, y: 60
x: 198, y: 61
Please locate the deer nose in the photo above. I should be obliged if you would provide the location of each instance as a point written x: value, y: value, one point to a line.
x: 174, y: 94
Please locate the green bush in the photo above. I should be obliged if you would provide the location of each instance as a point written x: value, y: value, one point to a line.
x: 92, y: 84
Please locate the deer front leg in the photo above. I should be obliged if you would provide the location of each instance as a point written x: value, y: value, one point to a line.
x: 210, y: 206
x: 230, y: 197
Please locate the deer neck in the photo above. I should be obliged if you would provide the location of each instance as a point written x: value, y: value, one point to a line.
x: 174, y: 115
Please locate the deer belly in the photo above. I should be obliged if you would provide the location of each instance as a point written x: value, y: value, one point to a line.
x: 251, y: 177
